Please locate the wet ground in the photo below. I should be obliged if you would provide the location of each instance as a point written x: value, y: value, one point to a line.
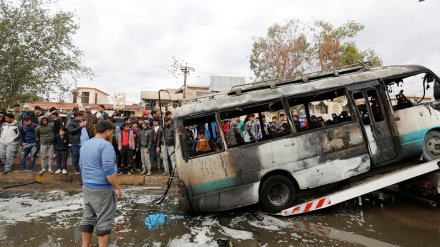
x: 47, y: 216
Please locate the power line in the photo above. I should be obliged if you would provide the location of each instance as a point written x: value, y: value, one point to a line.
x: 165, y: 20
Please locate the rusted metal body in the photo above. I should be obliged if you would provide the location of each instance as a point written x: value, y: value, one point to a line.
x: 231, y: 177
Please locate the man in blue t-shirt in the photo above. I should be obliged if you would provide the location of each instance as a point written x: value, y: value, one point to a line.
x: 100, y: 184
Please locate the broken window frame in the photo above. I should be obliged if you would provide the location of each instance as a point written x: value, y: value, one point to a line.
x: 320, y: 97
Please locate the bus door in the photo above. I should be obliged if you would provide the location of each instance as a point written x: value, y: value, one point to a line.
x: 370, y: 108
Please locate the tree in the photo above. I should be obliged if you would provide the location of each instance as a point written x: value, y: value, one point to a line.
x: 37, y: 54
x: 295, y: 48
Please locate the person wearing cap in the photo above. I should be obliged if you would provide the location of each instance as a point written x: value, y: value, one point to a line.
x: 233, y: 137
x: 247, y: 135
x: 145, y: 143
x: 91, y: 120
x: 145, y: 115
x: 71, y: 114
x: 26, y: 113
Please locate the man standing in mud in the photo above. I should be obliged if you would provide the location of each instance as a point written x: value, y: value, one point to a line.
x: 100, y: 185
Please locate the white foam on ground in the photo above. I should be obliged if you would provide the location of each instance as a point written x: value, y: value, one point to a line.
x: 26, y: 208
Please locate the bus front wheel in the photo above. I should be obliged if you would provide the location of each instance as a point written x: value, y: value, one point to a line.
x: 431, y: 145
x: 277, y: 193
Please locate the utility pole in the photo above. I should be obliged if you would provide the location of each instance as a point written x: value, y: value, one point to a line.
x: 185, y: 71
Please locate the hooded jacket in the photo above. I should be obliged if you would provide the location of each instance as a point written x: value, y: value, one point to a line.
x: 10, y: 133
x: 45, y: 133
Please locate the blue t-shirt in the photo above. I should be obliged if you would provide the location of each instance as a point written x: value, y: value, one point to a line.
x: 98, y: 160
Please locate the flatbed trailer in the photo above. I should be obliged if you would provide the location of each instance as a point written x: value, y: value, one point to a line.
x: 424, y: 171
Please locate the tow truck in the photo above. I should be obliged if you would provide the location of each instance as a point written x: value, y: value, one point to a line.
x: 423, y: 177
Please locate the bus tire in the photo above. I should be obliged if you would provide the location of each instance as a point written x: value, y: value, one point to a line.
x: 431, y: 145
x: 277, y: 192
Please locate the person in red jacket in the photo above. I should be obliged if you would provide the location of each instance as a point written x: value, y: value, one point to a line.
x: 126, y: 145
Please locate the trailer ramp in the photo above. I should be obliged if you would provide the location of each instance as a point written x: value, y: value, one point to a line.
x: 362, y: 188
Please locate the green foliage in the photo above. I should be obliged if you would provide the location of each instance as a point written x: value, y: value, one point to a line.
x: 294, y: 48
x: 37, y: 54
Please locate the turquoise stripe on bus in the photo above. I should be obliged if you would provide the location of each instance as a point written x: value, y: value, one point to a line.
x: 413, y: 142
x: 213, y: 186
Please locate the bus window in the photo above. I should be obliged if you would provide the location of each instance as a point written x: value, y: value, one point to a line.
x: 201, y: 136
x: 256, y: 123
x: 375, y: 105
x: 317, y: 111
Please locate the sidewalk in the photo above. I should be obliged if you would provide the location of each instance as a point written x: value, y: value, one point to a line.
x: 157, y: 179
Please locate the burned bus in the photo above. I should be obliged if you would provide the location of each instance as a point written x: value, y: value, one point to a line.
x: 330, y: 126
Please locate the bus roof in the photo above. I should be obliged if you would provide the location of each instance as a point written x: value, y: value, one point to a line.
x: 303, y: 85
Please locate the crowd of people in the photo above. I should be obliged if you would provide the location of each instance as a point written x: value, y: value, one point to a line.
x: 137, y: 141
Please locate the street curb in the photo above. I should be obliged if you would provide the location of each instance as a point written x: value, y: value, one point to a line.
x: 135, y: 179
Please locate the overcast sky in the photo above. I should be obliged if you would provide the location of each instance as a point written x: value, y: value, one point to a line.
x: 130, y: 44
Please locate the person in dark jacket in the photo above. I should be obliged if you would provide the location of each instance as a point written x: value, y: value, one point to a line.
x: 145, y: 143
x: 57, y: 122
x: 61, y: 146
x: 28, y: 141
x: 157, y: 142
x: 169, y: 145
x: 74, y: 128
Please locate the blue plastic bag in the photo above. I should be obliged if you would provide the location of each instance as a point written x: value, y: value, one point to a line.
x: 154, y: 221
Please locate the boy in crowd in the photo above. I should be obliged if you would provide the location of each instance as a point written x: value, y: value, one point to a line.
x: 157, y: 142
x: 102, y: 114
x: 202, y: 145
x: 28, y: 141
x: 9, y: 137
x: 169, y: 143
x: 126, y: 145
x: 16, y: 112
x: 61, y: 145
x: 136, y: 153
x: 45, y: 135
x: 145, y: 143
x: 74, y: 128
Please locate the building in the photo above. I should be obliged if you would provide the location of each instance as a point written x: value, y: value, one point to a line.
x: 224, y: 83
x: 150, y: 99
x: 86, y: 96
x: 89, y: 95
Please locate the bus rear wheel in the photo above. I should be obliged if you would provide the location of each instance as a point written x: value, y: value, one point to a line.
x: 431, y: 145
x: 277, y: 192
